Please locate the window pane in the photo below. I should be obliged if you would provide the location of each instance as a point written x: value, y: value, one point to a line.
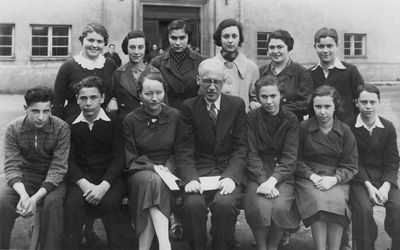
x: 60, y: 31
x: 262, y: 52
x: 262, y: 36
x: 60, y: 40
x: 261, y: 44
x: 6, y: 30
x: 5, y: 51
x: 39, y: 51
x: 358, y: 38
x: 347, y: 52
x: 358, y: 52
x: 39, y: 41
x: 347, y: 45
x: 60, y: 51
x: 358, y: 45
x: 40, y: 31
x: 347, y: 38
x: 5, y: 41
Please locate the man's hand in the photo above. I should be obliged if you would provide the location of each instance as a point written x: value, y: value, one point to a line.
x: 267, y: 186
x: 315, y: 178
x: 326, y: 183
x: 96, y: 193
x: 193, y: 187
x: 254, y: 105
x: 373, y: 193
x: 384, y: 192
x: 226, y: 185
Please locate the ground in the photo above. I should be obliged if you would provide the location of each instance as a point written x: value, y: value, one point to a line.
x: 12, y: 106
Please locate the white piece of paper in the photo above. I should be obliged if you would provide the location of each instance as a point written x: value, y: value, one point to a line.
x: 168, y: 178
x: 209, y: 182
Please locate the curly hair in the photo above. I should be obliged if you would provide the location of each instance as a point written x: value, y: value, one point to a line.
x: 94, y: 27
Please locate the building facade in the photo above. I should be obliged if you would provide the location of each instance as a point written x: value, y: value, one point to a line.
x: 37, y: 36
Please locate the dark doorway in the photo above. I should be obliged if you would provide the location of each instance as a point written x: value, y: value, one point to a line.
x: 156, y: 19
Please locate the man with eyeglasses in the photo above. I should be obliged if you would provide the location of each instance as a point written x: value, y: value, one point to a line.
x: 211, y: 143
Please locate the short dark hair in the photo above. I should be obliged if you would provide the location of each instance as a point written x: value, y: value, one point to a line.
x: 94, y: 27
x: 225, y: 24
x: 325, y: 32
x: 326, y: 90
x: 131, y: 35
x: 268, y: 80
x: 180, y: 24
x: 152, y: 74
x: 38, y: 94
x: 368, y: 88
x: 282, y: 35
x: 90, y: 82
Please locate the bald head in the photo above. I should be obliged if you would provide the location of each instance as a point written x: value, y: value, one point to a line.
x: 211, y: 65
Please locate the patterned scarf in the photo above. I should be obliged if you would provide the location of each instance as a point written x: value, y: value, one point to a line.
x: 178, y: 57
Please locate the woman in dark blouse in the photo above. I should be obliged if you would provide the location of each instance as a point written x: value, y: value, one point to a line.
x: 89, y: 62
x: 327, y: 161
x: 149, y: 134
x: 272, y: 136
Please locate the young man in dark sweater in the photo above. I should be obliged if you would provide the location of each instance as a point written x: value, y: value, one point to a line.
x: 36, y: 159
x: 94, y: 181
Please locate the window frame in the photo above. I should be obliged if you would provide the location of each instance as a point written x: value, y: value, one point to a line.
x: 257, y: 41
x: 50, y: 45
x: 352, y: 48
x: 12, y: 56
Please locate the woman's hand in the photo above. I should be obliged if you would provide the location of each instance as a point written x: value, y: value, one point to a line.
x: 274, y: 193
x: 112, y: 106
x: 267, y: 187
x: 326, y: 183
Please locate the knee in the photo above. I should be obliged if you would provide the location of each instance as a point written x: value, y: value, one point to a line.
x: 363, y: 210
x: 194, y: 203
x: 224, y: 203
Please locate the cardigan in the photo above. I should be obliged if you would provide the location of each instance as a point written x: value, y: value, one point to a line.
x: 43, y: 153
x: 70, y: 73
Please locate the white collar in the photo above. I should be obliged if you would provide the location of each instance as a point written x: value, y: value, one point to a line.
x: 360, y: 123
x: 336, y: 64
x: 89, y: 64
x: 217, y: 103
x: 101, y: 115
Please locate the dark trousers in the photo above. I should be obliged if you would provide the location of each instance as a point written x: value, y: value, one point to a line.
x: 51, y: 217
x: 109, y: 210
x: 224, y: 212
x: 365, y: 230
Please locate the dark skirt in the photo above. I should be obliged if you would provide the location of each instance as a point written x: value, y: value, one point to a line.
x: 333, y: 202
x: 262, y: 212
x: 146, y: 190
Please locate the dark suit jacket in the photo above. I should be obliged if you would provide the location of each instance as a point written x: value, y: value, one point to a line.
x: 182, y: 83
x: 378, y: 154
x: 124, y: 88
x: 346, y: 82
x: 200, y: 151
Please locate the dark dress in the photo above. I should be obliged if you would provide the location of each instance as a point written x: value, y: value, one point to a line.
x: 72, y: 72
x: 334, y: 154
x: 272, y: 142
x: 149, y: 140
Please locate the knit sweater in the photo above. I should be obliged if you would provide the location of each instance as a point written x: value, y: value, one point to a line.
x: 41, y: 154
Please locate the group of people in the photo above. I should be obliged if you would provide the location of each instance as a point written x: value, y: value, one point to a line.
x: 285, y: 143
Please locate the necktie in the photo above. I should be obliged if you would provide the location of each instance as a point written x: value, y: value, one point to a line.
x: 213, y: 114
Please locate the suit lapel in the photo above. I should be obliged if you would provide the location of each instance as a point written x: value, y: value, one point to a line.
x: 376, y: 138
x: 128, y: 82
x: 203, y: 120
x: 224, y: 118
x: 334, y: 75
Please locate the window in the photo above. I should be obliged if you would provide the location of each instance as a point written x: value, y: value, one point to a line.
x: 6, y: 40
x: 355, y: 45
x: 262, y: 48
x: 51, y: 41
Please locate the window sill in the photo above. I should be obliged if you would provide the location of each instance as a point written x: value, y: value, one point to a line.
x: 355, y: 57
x: 49, y: 58
x: 7, y: 58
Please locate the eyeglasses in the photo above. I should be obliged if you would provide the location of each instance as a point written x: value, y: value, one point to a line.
x: 208, y: 82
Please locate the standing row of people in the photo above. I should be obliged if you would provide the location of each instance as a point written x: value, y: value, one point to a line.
x: 289, y: 169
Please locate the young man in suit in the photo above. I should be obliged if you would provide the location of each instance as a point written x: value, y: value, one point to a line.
x: 36, y: 149
x: 95, y: 185
x: 211, y: 142
x: 376, y: 181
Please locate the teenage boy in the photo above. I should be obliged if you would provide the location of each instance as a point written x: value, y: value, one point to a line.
x: 36, y: 159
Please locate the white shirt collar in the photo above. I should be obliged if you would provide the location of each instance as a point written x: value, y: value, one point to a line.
x: 217, y: 103
x: 100, y: 116
x: 336, y: 64
x: 360, y: 123
x: 89, y: 64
